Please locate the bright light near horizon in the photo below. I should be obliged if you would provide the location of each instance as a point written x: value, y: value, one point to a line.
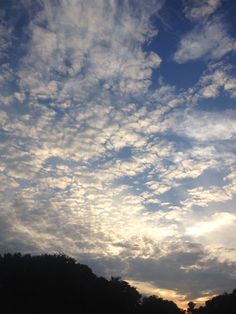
x: 149, y: 289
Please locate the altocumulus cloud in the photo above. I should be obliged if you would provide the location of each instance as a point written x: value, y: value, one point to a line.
x: 105, y: 159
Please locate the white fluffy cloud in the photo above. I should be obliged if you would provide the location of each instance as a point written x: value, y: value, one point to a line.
x: 205, y: 126
x: 97, y: 43
x: 212, y: 225
x: 195, y: 9
x: 208, y: 40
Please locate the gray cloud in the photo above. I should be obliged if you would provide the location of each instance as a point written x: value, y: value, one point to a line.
x: 196, y: 10
x: 184, y: 272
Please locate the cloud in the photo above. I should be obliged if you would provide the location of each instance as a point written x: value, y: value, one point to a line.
x: 207, y: 126
x: 208, y: 40
x: 230, y: 86
x: 214, y: 230
x: 216, y: 79
x: 180, y: 270
x: 5, y: 36
x: 92, y: 44
x: 202, y: 197
x: 196, y: 10
x: 148, y: 289
x: 212, y: 225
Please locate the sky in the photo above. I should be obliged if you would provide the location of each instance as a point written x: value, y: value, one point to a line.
x: 118, y: 139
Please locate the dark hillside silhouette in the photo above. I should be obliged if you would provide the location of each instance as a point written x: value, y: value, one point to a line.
x: 56, y: 284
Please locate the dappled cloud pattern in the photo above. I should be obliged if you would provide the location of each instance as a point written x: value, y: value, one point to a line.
x: 129, y: 174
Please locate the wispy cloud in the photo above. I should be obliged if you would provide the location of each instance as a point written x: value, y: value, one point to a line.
x: 208, y: 39
x: 196, y: 10
x: 208, y: 126
x: 92, y: 44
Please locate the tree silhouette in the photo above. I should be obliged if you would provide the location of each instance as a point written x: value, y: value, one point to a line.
x: 56, y: 284
x: 155, y: 305
x: 221, y: 304
x: 191, y: 306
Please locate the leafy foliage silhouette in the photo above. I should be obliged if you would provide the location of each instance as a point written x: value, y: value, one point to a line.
x: 57, y: 284
x: 221, y: 304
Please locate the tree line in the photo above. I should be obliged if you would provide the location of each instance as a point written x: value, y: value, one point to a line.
x: 221, y: 304
x: 57, y: 284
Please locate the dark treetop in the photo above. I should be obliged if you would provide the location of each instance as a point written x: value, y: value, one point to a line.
x: 56, y: 284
